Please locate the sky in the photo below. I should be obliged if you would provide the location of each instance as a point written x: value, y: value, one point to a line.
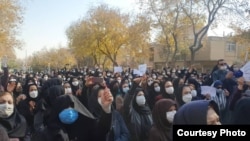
x: 45, y: 21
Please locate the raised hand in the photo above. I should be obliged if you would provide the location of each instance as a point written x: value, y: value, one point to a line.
x: 137, y: 80
x: 106, y: 100
x: 20, y: 98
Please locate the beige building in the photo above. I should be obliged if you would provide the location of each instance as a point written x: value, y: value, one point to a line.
x: 214, y: 48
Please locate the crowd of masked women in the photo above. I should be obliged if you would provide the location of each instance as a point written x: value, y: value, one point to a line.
x: 76, y: 106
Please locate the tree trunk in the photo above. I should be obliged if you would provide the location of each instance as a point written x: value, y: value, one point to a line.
x: 115, y: 63
x: 173, y: 60
x: 104, y: 62
x: 175, y: 48
x: 192, y: 61
x: 95, y: 60
x: 167, y: 57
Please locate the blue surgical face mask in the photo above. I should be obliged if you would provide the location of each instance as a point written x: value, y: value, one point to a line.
x: 68, y: 116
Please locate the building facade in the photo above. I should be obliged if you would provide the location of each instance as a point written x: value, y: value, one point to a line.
x: 214, y: 48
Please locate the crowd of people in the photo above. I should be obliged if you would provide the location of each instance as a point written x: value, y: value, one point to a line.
x: 99, y: 105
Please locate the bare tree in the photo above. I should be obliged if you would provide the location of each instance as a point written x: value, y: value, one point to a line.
x: 213, y: 10
x: 166, y: 17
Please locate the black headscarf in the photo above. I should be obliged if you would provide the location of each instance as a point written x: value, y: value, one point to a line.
x: 82, y: 128
x: 74, y: 88
x: 159, y: 117
x: 241, y: 115
x: 197, y: 87
x: 120, y: 87
x: 114, y: 90
x: 141, y: 118
x: 29, y: 81
x: 28, y: 96
x: 94, y: 107
x: 166, y: 95
x: 178, y: 95
x: 48, y: 84
x: 65, y: 101
x: 194, y: 113
x: 53, y: 93
x: 144, y: 110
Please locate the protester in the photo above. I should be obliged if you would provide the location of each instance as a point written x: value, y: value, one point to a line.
x: 118, y: 129
x: 95, y: 104
x: 10, y: 119
x: 240, y: 115
x: 163, y: 116
x: 200, y: 112
x: 70, y: 120
x: 183, y: 95
x: 28, y: 107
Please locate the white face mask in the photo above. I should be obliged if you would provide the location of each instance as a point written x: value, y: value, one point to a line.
x: 125, y: 90
x: 33, y: 94
x: 140, y: 100
x: 194, y: 93
x: 119, y: 81
x: 6, y: 110
x: 68, y: 91
x: 150, y: 83
x: 154, y: 77
x: 223, y: 67
x: 169, y: 90
x: 187, y: 98
x: 158, y: 89
x: 170, y: 116
x: 75, y: 83
x: 46, y: 78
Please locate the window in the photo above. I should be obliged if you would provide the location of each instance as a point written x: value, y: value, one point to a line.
x: 231, y: 47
